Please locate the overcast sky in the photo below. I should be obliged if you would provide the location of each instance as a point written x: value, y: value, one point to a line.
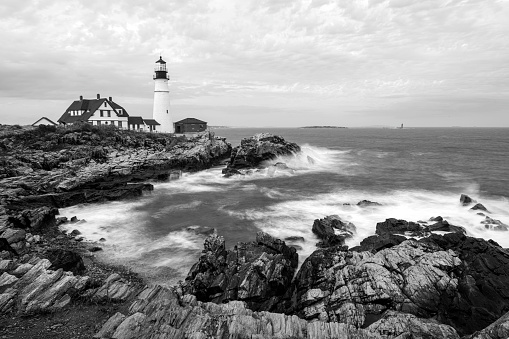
x: 262, y: 62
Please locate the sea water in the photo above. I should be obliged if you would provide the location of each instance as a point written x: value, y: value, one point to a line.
x: 415, y: 174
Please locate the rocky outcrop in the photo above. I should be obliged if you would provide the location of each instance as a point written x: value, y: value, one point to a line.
x: 333, y: 231
x: 254, y: 151
x: 158, y: 312
x: 498, y: 330
x: 258, y: 272
x: 465, y: 200
x: 30, y: 286
x: 457, y: 280
x: 91, y: 164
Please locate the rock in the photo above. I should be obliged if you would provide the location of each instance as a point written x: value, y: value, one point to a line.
x: 5, y: 246
x: 457, y: 280
x: 158, y: 310
x: 102, y: 240
x: 202, y: 230
x: 61, y: 220
x: 466, y: 200
x: 257, y: 272
x: 114, y: 289
x: 95, y: 249
x: 494, y: 224
x: 444, y: 226
x: 74, y: 220
x: 367, y: 203
x: 479, y: 207
x: 36, y: 219
x: 255, y: 150
x: 377, y: 243
x: 498, y: 330
x: 74, y: 233
x: 395, y: 226
x: 401, y: 325
x: 332, y: 230
x: 439, y: 218
x: 66, y: 260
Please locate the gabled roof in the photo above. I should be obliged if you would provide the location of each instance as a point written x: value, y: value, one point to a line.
x: 44, y: 118
x: 151, y: 122
x: 89, y: 106
x: 135, y: 121
x: 190, y: 121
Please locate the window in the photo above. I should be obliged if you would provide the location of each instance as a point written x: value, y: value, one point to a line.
x: 102, y: 113
x: 120, y: 111
x: 120, y: 124
x: 109, y: 113
x: 98, y: 123
x: 166, y: 111
x: 105, y: 105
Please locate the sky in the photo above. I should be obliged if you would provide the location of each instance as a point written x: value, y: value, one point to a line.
x: 254, y: 63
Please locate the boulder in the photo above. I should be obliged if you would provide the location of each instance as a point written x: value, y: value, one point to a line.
x: 67, y: 260
x: 377, y: 243
x: 253, y: 151
x: 395, y: 226
x: 479, y: 207
x: 466, y: 200
x: 444, y: 226
x: 257, y: 272
x: 333, y: 231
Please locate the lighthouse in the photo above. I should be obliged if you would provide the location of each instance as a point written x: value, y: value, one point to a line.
x: 161, y: 112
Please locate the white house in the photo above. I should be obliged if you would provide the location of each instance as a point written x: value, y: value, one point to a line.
x: 104, y: 111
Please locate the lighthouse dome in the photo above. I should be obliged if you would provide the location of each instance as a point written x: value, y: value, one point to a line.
x: 160, y: 61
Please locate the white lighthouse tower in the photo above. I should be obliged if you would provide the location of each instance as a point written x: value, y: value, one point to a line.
x: 161, y: 111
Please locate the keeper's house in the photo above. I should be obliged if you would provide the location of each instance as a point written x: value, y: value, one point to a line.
x: 104, y: 111
x: 190, y: 125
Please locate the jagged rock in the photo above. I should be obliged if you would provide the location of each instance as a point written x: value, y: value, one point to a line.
x: 494, y: 224
x: 401, y: 325
x: 74, y: 233
x: 6, y: 246
x: 479, y: 207
x: 158, y: 312
x: 253, y: 151
x: 466, y: 200
x: 114, y: 288
x: 333, y: 231
x: 439, y: 218
x: 395, y: 226
x: 295, y: 238
x: 498, y: 330
x: 443, y: 225
x: 367, y: 203
x: 457, y: 280
x: 66, y: 260
x: 257, y: 272
x: 36, y: 219
x: 377, y: 243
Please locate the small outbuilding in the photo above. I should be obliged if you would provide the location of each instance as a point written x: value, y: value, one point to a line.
x: 44, y: 121
x: 190, y: 125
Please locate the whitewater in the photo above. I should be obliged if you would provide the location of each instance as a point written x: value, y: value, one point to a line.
x: 415, y: 174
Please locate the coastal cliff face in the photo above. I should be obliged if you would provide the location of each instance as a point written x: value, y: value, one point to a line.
x: 62, y: 167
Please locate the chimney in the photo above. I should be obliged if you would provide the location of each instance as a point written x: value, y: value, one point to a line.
x: 98, y: 96
x: 81, y: 97
x: 110, y: 98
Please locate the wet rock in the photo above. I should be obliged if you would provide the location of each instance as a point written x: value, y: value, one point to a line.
x: 95, y: 249
x: 36, y: 219
x: 377, y: 243
x: 466, y: 200
x: 439, y: 218
x: 367, y: 203
x: 61, y: 220
x: 258, y: 272
x: 332, y: 230
x: 66, y: 260
x: 494, y: 224
x: 114, y: 289
x: 6, y: 246
x: 479, y: 207
x: 74, y: 233
x: 202, y: 230
x: 253, y: 151
x: 74, y: 220
x: 444, y: 226
x: 395, y: 226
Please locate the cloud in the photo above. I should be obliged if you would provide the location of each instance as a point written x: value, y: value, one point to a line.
x: 319, y: 55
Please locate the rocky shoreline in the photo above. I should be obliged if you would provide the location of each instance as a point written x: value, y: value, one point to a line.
x: 403, y: 282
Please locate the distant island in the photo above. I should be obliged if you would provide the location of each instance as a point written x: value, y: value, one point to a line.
x: 323, y: 127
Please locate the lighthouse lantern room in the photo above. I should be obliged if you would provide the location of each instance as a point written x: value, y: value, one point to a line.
x: 161, y: 112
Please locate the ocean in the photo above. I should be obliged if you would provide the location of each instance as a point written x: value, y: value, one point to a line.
x: 414, y: 173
